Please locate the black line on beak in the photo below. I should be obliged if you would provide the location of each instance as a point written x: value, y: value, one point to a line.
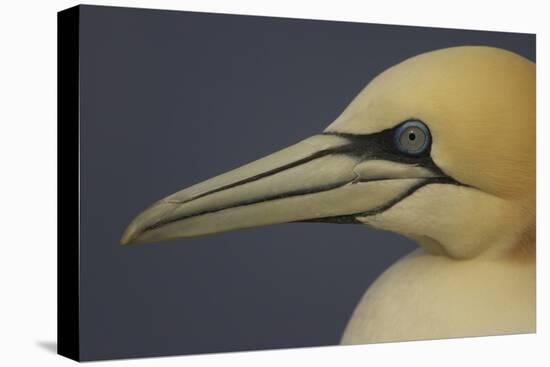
x: 273, y: 171
x: 352, y: 218
x: 248, y: 202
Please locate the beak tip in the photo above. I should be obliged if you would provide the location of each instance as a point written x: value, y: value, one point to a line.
x: 125, y: 241
x: 138, y: 230
x: 129, y: 236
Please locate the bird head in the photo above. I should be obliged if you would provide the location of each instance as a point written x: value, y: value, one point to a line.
x: 439, y: 148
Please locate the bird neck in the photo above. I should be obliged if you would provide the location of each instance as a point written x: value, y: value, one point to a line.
x: 522, y: 248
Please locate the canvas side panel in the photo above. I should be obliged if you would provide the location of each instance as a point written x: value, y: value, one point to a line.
x: 68, y: 186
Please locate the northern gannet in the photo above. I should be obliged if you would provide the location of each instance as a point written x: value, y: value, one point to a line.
x: 439, y: 148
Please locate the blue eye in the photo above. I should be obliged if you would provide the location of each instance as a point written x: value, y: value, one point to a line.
x: 412, y: 137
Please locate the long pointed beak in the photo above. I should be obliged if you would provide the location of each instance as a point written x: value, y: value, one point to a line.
x: 321, y: 178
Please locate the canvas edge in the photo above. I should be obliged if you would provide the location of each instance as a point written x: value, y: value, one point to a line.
x: 68, y: 188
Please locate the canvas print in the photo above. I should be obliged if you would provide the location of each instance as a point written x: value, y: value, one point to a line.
x: 215, y: 153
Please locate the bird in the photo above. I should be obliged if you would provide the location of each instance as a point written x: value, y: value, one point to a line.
x: 439, y: 148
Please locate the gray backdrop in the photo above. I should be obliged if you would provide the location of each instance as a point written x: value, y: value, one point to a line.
x: 171, y: 98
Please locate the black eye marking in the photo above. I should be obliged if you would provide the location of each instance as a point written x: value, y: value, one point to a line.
x: 384, y: 144
x: 407, y: 142
x: 412, y: 137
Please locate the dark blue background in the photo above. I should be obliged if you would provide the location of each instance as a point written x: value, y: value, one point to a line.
x: 171, y: 98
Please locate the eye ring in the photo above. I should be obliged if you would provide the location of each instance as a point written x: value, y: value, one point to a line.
x: 412, y: 137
